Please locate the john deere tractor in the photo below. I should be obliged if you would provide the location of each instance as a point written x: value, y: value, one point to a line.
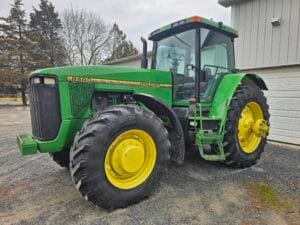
x: 117, y: 128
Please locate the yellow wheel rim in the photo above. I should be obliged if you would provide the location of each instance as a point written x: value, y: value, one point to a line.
x: 130, y: 159
x: 251, y: 127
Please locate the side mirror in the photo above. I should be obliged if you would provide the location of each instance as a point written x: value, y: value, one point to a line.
x: 144, y: 61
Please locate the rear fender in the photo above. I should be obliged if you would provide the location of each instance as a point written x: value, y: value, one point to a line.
x: 226, y: 89
x: 257, y: 80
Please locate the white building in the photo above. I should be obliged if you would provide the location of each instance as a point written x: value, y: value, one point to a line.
x: 132, y: 61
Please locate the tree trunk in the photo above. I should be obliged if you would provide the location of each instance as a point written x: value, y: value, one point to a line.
x: 23, y: 83
x: 23, y: 93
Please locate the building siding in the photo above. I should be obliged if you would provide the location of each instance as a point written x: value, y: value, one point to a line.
x: 272, y: 52
x: 260, y: 44
x: 283, y: 98
x: 136, y: 62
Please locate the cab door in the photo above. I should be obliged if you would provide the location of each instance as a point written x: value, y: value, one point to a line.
x: 216, y: 59
x: 177, y: 53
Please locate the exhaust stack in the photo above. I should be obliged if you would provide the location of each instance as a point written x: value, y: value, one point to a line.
x: 144, y: 61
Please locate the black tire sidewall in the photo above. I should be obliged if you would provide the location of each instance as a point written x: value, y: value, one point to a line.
x: 241, y: 158
x: 263, y: 140
x: 95, y: 163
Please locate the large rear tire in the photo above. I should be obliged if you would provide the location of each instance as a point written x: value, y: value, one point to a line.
x: 119, y: 156
x: 246, y: 127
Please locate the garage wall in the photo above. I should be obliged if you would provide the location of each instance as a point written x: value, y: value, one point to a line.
x: 260, y: 44
x: 284, y: 100
x: 133, y: 63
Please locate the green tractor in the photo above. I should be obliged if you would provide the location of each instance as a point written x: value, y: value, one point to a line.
x: 117, y: 128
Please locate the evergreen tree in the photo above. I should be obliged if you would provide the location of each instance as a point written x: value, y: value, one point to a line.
x: 120, y: 46
x: 15, y: 44
x: 46, y: 25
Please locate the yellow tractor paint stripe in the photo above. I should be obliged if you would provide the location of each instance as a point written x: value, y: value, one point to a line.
x: 122, y: 82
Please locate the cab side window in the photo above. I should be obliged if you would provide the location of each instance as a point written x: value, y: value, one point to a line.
x: 217, y: 58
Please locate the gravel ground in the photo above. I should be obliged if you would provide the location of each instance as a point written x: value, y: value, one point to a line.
x: 34, y: 190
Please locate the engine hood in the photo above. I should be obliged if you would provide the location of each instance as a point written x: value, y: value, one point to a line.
x: 111, y: 73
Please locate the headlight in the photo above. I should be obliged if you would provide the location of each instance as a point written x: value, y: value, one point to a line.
x: 48, y: 80
x: 36, y: 80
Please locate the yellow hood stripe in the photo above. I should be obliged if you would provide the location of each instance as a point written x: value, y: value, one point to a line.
x: 120, y: 82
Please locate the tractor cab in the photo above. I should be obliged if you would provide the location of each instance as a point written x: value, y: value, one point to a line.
x: 198, y: 52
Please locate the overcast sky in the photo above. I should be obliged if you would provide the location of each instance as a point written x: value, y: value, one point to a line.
x: 137, y: 17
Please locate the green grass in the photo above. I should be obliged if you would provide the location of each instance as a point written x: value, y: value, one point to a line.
x: 266, y: 196
x: 11, y: 99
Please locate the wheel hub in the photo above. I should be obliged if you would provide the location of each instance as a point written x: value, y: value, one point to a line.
x: 128, y: 157
x: 260, y: 128
x: 251, y: 127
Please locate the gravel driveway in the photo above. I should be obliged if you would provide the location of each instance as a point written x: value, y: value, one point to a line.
x: 34, y: 190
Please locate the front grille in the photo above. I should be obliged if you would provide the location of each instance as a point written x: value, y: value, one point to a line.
x: 44, y: 110
x: 81, y: 95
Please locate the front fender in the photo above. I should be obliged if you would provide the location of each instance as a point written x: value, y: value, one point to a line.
x: 176, y: 135
x: 226, y: 89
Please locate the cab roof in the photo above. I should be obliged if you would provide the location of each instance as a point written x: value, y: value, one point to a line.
x: 192, y: 20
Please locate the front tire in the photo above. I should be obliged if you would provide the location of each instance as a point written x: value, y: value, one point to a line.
x: 119, y: 156
x: 246, y: 127
x: 62, y: 158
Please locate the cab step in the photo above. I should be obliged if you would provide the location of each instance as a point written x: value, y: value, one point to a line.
x: 211, y: 136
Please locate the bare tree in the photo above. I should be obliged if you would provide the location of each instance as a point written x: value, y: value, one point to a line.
x: 86, y: 37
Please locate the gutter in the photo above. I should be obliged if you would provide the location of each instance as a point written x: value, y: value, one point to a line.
x: 227, y: 3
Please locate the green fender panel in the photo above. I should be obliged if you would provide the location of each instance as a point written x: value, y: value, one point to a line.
x: 226, y: 90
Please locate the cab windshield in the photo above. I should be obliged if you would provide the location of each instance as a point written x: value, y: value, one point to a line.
x: 181, y: 53
x: 173, y: 54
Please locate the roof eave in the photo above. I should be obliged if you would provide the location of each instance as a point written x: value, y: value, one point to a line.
x: 227, y: 3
